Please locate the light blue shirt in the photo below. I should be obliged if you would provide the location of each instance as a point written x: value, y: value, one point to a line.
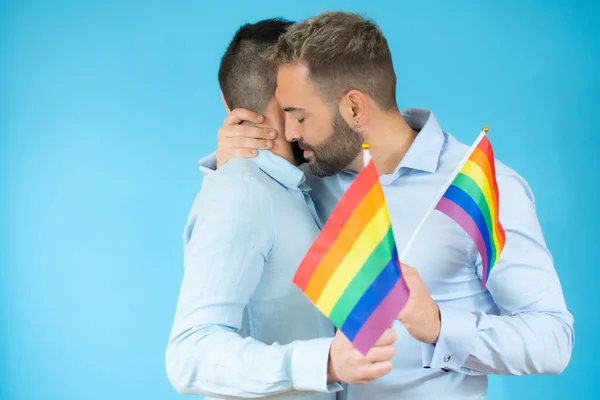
x: 242, y: 328
x: 519, y: 324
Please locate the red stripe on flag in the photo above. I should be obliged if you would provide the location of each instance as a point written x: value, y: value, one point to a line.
x: 365, y: 180
x: 486, y: 146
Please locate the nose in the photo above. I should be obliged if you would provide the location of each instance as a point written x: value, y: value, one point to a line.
x: 292, y: 134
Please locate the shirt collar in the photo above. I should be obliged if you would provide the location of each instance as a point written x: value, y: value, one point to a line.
x: 279, y: 169
x: 424, y: 152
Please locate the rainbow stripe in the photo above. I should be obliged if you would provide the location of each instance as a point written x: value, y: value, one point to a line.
x: 352, y: 272
x: 472, y: 201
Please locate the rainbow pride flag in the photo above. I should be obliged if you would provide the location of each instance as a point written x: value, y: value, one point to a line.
x: 352, y: 272
x: 472, y: 201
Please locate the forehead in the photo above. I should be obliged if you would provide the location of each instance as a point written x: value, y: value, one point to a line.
x: 293, y: 86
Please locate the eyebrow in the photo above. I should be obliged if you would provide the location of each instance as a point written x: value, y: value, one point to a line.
x: 291, y: 109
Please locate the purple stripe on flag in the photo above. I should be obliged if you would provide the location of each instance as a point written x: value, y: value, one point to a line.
x: 382, y: 317
x: 461, y: 217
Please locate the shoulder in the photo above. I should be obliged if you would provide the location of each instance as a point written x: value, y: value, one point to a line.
x: 240, y: 179
x: 237, y: 169
x: 235, y: 192
x: 236, y: 187
x: 516, y: 198
x: 507, y: 178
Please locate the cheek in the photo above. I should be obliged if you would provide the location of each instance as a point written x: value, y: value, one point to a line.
x: 317, y: 132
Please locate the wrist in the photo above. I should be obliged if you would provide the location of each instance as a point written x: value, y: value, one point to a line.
x: 457, y: 334
x: 331, y: 375
x: 309, y: 365
x: 437, y: 324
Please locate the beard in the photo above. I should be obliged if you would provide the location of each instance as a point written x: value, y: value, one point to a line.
x: 342, y: 147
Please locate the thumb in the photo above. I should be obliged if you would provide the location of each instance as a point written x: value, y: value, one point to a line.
x: 410, y: 275
x: 341, y: 336
x: 407, y: 269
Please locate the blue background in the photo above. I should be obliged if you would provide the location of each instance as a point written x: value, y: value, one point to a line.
x: 105, y: 108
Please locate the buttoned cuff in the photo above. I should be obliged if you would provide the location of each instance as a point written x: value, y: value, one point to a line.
x: 309, y: 366
x: 457, y: 334
x: 208, y: 163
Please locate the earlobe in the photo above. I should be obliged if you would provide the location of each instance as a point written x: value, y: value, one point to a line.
x: 225, y: 103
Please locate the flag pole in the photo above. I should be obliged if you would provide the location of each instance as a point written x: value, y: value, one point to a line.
x: 366, y: 153
x: 484, y: 130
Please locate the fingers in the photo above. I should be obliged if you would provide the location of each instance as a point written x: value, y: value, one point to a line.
x: 238, y: 115
x: 240, y: 152
x: 384, y: 348
x: 242, y: 141
x: 377, y: 370
x: 387, y: 338
x: 249, y: 143
x: 247, y: 148
x: 380, y: 354
x: 247, y: 131
x: 412, y: 278
x: 408, y: 270
x: 373, y: 371
x: 224, y: 155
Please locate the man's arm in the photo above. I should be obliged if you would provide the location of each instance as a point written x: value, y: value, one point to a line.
x: 227, y: 240
x: 534, y: 333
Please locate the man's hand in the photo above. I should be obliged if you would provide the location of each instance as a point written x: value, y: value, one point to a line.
x: 242, y: 141
x: 420, y: 316
x: 347, y: 364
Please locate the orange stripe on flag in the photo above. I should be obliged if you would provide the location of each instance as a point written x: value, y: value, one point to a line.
x: 488, y: 152
x: 352, y: 229
x: 353, y: 196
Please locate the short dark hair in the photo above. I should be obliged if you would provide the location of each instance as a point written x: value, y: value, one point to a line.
x: 343, y: 51
x: 246, y: 78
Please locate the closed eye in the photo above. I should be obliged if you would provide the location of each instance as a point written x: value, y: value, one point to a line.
x: 301, y: 120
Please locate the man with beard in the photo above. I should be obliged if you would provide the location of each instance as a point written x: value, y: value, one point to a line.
x: 241, y: 328
x: 337, y: 85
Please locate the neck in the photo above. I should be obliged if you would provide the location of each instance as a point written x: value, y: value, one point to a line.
x: 389, y: 139
x: 281, y: 146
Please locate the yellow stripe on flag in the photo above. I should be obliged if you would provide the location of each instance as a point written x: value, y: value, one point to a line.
x: 474, y: 171
x: 358, y: 254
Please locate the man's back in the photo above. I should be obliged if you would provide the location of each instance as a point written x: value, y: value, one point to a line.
x: 247, y: 232
x: 278, y: 311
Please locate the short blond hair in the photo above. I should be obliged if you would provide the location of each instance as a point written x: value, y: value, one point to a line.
x: 342, y: 51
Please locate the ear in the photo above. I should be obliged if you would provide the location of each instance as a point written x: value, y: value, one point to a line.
x: 353, y: 108
x: 225, y: 103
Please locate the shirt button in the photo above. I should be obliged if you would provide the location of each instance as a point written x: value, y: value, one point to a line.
x: 447, y: 358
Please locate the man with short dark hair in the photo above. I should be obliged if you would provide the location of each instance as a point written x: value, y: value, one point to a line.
x: 247, y: 79
x: 334, y: 83
x: 242, y: 329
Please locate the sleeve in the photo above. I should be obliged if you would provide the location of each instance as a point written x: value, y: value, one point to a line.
x: 208, y: 164
x: 226, y: 242
x: 533, y: 333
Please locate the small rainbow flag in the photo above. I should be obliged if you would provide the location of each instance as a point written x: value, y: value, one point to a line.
x: 472, y: 201
x: 352, y: 272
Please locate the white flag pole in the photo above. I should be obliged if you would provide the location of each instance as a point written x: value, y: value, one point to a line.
x: 366, y: 153
x: 444, y: 188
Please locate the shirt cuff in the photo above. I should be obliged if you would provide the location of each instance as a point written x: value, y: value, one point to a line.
x: 208, y: 163
x: 309, y: 366
x: 457, y: 334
